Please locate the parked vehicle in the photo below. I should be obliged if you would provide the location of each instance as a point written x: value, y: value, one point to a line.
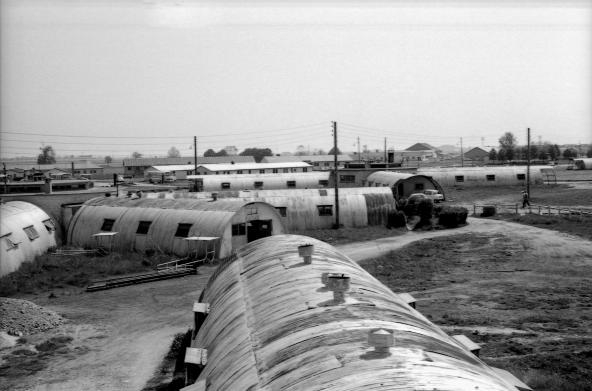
x: 160, y: 176
x: 434, y: 195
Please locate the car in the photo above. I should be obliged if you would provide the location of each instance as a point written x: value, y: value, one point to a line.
x: 435, y: 195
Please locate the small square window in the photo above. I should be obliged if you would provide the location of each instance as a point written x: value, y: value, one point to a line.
x: 490, y: 177
x: 521, y: 177
x: 323, y: 182
x: 143, y: 227
x: 107, y: 225
x: 225, y: 185
x: 418, y: 186
x: 275, y: 170
x: 31, y: 232
x: 261, y: 171
x: 286, y: 170
x: 258, y: 185
x: 325, y: 210
x: 291, y: 183
x: 10, y: 244
x: 183, y: 230
x: 282, y: 210
x: 459, y: 178
x: 239, y: 171
x: 49, y: 225
x: 323, y: 192
x: 239, y: 229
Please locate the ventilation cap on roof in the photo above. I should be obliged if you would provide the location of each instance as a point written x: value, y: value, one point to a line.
x: 381, y: 340
x: 305, y: 251
x: 339, y: 284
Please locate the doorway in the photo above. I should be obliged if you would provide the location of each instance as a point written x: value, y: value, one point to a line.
x: 257, y: 229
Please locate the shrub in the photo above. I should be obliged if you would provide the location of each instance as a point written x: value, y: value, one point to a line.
x: 488, y: 210
x: 425, y: 209
x: 453, y: 216
x: 396, y: 219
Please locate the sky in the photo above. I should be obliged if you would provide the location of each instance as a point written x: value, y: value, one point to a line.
x: 107, y: 77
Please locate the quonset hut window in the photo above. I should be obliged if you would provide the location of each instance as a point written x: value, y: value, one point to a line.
x: 143, y: 227
x: 282, y: 210
x: 490, y: 177
x: 107, y: 225
x: 325, y: 210
x: 258, y: 185
x: 10, y: 244
x: 459, y: 178
x: 31, y: 232
x: 291, y: 183
x: 183, y: 230
x: 521, y: 177
x: 49, y: 225
x: 239, y: 229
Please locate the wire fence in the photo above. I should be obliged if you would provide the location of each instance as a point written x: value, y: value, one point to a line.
x: 531, y: 209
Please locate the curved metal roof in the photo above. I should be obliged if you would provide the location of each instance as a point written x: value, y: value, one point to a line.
x: 273, y: 325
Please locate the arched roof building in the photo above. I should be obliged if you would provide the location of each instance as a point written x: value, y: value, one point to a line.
x: 273, y: 323
x: 164, y: 225
x: 583, y: 163
x: 26, y: 232
x: 403, y: 184
x: 302, y: 209
x: 484, y: 176
x: 291, y: 180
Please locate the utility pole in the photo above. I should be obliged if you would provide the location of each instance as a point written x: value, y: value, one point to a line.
x: 462, y: 155
x: 359, y: 156
x: 5, y: 178
x: 336, y: 171
x: 385, y: 158
x: 528, y: 162
x: 195, y: 162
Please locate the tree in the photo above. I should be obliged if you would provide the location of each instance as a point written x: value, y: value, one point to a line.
x: 332, y: 151
x: 493, y: 154
x: 210, y: 152
x: 136, y: 155
x: 108, y: 159
x: 507, y: 144
x: 570, y: 153
x: 173, y: 152
x: 47, y: 155
x: 300, y: 150
x: 257, y: 153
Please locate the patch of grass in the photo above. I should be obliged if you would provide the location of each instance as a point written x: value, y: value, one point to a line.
x: 49, y: 272
x: 171, y: 375
x: 350, y: 235
x: 53, y: 344
x: 580, y: 225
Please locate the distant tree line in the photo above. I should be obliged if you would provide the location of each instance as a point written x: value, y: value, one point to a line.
x: 509, y: 150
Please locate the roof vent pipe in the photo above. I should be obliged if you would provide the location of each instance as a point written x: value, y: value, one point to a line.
x: 339, y: 284
x: 305, y: 251
x: 381, y: 339
x: 214, y: 196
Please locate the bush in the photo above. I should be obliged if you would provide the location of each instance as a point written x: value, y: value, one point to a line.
x: 425, y: 209
x: 488, y: 210
x: 396, y: 219
x: 453, y: 216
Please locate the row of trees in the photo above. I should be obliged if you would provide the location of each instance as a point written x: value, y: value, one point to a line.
x: 509, y: 150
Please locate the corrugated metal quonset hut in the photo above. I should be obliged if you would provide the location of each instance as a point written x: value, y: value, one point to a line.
x: 267, y: 321
x: 315, y: 208
x: 484, y: 176
x: 293, y: 180
x: 164, y: 225
x: 583, y: 164
x: 26, y: 232
x: 403, y: 184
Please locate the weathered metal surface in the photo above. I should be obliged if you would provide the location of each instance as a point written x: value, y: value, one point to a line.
x: 208, y: 219
x: 15, y: 245
x: 273, y: 325
x: 268, y: 181
x: 358, y: 207
x: 477, y: 176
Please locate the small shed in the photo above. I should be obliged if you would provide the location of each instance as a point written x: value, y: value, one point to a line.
x: 165, y: 225
x: 291, y: 180
x: 403, y: 184
x: 268, y: 319
x: 26, y: 231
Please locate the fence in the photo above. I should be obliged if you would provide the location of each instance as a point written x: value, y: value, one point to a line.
x: 534, y: 209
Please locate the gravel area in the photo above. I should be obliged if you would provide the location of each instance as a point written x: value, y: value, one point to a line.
x: 22, y: 316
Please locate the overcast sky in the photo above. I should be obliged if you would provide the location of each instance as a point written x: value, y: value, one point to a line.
x: 126, y: 76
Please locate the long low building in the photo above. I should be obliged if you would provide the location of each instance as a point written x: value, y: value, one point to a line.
x: 291, y: 180
x: 583, y: 163
x: 26, y: 231
x: 302, y: 209
x: 484, y: 176
x: 403, y: 184
x: 270, y: 319
x: 172, y: 226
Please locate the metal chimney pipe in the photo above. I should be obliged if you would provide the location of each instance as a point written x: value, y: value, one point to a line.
x: 339, y: 284
x: 381, y: 339
x: 305, y: 251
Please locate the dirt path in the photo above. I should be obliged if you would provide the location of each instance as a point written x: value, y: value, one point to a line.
x: 119, y: 336
x: 543, y: 242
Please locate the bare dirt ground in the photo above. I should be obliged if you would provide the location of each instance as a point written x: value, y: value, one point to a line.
x: 114, y: 339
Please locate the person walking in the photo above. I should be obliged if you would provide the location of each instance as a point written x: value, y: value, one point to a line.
x: 525, y: 200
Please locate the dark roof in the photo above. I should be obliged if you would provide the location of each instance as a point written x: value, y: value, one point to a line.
x: 421, y: 147
x: 476, y: 153
x: 163, y: 161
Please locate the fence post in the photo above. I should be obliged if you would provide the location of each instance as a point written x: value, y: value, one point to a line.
x: 474, y: 210
x: 516, y: 208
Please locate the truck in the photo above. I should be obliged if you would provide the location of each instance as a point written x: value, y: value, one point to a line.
x: 160, y: 176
